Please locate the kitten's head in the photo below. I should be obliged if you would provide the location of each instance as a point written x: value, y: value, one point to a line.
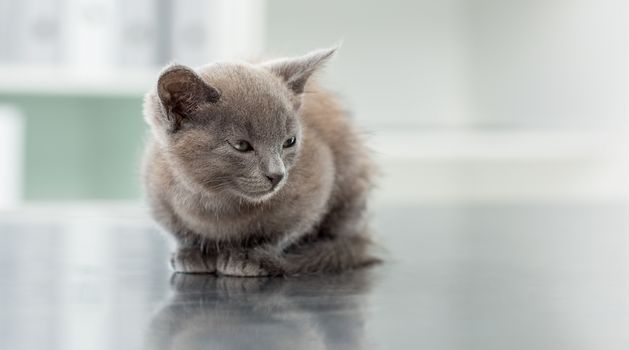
x: 233, y: 127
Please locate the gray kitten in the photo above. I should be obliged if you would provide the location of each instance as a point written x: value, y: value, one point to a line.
x: 255, y: 171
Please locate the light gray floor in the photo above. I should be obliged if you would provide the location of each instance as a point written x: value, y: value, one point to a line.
x: 512, y: 276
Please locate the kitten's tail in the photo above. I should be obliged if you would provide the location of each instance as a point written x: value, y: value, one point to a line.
x: 330, y: 256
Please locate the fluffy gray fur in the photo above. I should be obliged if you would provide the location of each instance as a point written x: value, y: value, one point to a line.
x: 269, y: 206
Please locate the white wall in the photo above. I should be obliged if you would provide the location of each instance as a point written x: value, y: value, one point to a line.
x: 479, y: 63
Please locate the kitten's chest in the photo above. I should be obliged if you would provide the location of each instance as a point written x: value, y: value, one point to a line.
x: 240, y: 224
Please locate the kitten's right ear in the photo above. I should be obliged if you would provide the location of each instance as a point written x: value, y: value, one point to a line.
x: 181, y: 91
x: 296, y: 71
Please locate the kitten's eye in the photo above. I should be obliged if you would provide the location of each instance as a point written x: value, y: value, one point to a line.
x: 290, y: 142
x: 242, y: 146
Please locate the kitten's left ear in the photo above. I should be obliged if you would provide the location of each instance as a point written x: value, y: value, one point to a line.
x: 181, y: 90
x: 295, y: 71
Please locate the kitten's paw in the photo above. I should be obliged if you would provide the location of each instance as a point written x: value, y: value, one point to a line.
x: 238, y: 263
x: 190, y: 260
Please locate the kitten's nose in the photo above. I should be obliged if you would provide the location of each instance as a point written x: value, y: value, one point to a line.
x: 275, y: 178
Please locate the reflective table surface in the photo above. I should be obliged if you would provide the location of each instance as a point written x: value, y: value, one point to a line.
x: 498, y: 276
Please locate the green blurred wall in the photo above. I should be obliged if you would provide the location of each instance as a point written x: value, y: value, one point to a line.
x: 79, y: 147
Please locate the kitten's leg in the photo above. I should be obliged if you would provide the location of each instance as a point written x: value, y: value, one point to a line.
x: 238, y: 263
x: 190, y: 255
x: 329, y: 255
x: 192, y: 260
x: 342, y: 241
x: 193, y: 254
x: 252, y: 262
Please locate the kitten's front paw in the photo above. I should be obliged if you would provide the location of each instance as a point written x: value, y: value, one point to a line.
x: 191, y: 260
x: 238, y: 263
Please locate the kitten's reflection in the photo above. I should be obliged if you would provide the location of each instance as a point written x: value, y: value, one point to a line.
x: 262, y: 313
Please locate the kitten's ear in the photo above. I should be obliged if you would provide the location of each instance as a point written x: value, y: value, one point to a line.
x: 181, y: 91
x: 296, y: 70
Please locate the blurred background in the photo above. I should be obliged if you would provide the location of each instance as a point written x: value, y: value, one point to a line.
x: 462, y: 100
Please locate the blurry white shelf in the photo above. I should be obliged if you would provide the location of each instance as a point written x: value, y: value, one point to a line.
x: 498, y: 144
x: 435, y: 166
x: 63, y: 80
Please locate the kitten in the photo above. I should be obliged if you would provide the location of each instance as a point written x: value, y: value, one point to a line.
x: 256, y: 171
